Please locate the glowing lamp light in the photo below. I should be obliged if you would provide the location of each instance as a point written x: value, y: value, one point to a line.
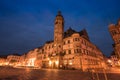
x: 31, y: 62
x: 50, y: 62
x: 70, y: 63
x: 6, y: 63
x: 48, y: 58
x: 0, y: 63
x: 56, y: 62
x: 109, y: 61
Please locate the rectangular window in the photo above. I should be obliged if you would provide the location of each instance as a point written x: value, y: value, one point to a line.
x: 74, y: 50
x: 77, y: 51
x: 80, y: 51
x: 64, y: 42
x: 69, y: 51
x: 65, y: 52
x: 68, y: 41
x: 59, y: 46
x: 76, y: 39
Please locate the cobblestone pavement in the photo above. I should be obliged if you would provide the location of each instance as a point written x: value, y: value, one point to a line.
x: 8, y: 73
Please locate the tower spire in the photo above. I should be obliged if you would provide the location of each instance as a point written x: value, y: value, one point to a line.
x: 58, y: 27
x: 59, y: 12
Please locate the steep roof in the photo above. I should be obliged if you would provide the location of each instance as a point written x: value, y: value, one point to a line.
x: 69, y: 32
x: 47, y: 42
x: 83, y: 33
x: 3, y: 56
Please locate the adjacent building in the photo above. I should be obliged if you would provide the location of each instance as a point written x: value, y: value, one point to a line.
x: 3, y: 62
x: 114, y: 30
x: 31, y: 57
x: 15, y: 60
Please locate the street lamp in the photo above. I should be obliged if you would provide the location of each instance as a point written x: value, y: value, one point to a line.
x: 50, y: 62
x: 57, y: 62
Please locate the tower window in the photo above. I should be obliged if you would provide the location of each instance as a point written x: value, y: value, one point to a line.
x: 59, y: 46
x: 56, y: 22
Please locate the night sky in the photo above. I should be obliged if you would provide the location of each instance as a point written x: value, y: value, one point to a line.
x: 27, y: 24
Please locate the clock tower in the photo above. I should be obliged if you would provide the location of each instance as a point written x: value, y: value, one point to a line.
x: 58, y: 28
x: 58, y: 33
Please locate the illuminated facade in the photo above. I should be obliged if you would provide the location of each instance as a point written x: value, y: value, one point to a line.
x: 31, y: 57
x: 115, y: 33
x: 69, y: 49
x: 14, y: 60
x: 115, y: 61
x: 3, y: 62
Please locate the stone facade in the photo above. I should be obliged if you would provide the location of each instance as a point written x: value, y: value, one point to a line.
x: 3, y: 62
x: 114, y: 30
x: 31, y: 57
x: 69, y: 49
x: 14, y: 60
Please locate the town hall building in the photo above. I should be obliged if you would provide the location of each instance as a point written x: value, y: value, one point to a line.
x: 69, y: 49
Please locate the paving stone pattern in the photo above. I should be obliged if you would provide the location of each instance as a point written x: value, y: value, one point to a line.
x: 9, y: 73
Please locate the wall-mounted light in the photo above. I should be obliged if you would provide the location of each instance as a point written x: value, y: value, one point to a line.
x: 50, y: 62
x: 56, y: 62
